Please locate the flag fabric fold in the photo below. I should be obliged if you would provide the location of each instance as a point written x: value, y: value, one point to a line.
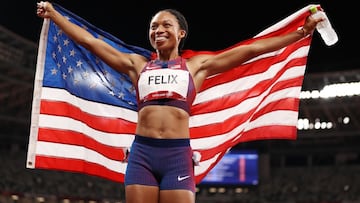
x: 84, y: 112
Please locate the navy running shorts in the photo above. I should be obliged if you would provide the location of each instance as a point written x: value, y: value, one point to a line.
x: 165, y: 163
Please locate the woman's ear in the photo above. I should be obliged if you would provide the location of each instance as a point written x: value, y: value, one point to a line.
x: 182, y: 34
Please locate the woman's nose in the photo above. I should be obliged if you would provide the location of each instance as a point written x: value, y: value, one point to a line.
x: 159, y: 29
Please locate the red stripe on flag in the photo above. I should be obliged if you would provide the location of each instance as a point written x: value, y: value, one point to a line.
x: 102, y: 123
x: 80, y: 139
x: 77, y: 165
x: 270, y: 132
x: 229, y: 124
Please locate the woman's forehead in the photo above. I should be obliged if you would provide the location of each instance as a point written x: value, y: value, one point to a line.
x: 163, y: 16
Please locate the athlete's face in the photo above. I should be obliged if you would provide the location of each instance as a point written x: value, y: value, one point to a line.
x: 165, y: 32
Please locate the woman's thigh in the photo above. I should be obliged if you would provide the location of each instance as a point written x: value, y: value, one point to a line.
x: 141, y: 194
x: 176, y: 196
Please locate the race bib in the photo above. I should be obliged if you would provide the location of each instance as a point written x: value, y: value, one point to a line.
x: 163, y: 83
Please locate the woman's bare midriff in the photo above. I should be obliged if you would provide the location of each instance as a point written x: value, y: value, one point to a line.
x: 163, y: 122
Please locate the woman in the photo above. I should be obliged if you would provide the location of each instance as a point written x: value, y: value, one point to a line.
x: 160, y: 165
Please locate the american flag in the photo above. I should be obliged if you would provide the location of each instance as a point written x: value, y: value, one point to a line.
x: 84, y: 113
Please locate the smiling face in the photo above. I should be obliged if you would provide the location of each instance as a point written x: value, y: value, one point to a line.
x: 165, y: 33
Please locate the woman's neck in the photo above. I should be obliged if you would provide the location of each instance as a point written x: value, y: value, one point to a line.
x: 166, y: 56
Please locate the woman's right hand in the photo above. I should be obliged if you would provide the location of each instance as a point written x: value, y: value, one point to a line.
x: 44, y: 9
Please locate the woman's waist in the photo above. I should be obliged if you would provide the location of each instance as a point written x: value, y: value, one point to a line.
x: 165, y: 142
x: 163, y: 122
x: 171, y: 131
x: 163, y: 116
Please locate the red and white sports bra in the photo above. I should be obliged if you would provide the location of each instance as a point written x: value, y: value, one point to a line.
x: 166, y: 83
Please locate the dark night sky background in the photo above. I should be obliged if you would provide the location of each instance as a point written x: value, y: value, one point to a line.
x: 213, y: 25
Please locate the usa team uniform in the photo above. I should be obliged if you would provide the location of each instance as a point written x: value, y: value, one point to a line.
x: 166, y: 163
